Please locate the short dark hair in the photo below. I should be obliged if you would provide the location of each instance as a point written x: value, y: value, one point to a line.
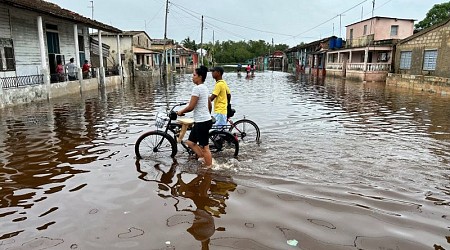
x: 219, y: 69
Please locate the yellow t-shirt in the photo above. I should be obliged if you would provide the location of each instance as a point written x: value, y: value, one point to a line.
x: 220, y: 102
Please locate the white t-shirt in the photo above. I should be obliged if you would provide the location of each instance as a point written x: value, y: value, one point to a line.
x: 201, y: 111
x: 71, y: 69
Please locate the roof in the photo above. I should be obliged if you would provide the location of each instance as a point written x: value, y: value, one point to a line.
x: 311, y: 44
x: 144, y: 51
x: 124, y: 33
x: 162, y: 41
x: 424, y: 31
x: 51, y: 9
x: 381, y: 17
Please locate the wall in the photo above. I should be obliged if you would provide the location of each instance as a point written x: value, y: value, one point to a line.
x: 5, y: 31
x: 366, y: 76
x: 439, y: 85
x: 11, y: 97
x: 381, y: 27
x: 26, y: 44
x: 439, y: 39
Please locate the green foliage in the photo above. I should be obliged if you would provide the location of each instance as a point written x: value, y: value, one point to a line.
x: 237, y: 52
x: 437, y: 14
x: 189, y: 44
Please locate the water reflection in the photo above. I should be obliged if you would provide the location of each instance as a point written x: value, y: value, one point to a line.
x: 207, y: 190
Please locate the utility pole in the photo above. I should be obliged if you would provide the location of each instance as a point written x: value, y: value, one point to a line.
x: 92, y: 12
x: 340, y: 25
x: 213, y: 44
x: 92, y: 7
x: 164, y: 70
x: 201, y: 45
x: 273, y: 63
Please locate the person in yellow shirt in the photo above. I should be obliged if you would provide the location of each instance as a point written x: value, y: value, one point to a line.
x: 221, y: 96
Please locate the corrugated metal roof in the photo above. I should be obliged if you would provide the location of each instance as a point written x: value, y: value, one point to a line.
x: 54, y: 10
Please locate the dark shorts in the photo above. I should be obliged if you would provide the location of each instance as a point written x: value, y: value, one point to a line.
x: 200, y: 133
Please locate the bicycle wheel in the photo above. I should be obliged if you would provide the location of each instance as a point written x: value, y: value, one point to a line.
x: 223, y: 143
x: 246, y: 131
x: 155, y: 144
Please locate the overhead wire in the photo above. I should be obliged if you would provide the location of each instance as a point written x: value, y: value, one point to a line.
x: 226, y: 22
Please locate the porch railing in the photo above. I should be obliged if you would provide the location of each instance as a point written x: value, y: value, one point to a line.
x: 338, y: 66
x: 370, y: 67
x: 21, y: 81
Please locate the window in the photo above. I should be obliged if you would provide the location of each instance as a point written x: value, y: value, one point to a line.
x: 394, y: 30
x: 351, y: 34
x: 429, y: 59
x: 405, y: 59
x: 7, y: 55
x: 53, y: 43
x: 365, y: 30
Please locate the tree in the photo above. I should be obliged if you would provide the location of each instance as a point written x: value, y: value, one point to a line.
x: 189, y: 44
x: 437, y: 14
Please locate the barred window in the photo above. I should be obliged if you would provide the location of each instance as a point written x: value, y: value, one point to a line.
x: 429, y: 59
x: 405, y: 59
x: 7, y: 62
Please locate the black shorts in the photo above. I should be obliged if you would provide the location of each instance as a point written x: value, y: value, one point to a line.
x: 200, y: 133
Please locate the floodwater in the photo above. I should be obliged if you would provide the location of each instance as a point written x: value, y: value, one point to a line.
x: 341, y: 165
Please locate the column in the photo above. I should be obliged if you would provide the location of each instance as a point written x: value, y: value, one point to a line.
x: 77, y: 52
x: 101, y: 69
x: 119, y: 58
x: 366, y: 55
x: 44, y: 68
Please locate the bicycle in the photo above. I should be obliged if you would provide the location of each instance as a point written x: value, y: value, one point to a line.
x: 245, y: 130
x: 161, y: 143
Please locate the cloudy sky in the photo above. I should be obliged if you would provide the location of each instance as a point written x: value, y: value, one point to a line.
x: 285, y: 21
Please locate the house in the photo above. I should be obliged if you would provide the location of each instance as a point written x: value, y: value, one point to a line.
x: 34, y: 36
x: 368, y: 53
x: 185, y: 58
x: 422, y: 61
x: 135, y: 47
x: 164, y: 46
x: 277, y: 61
x: 310, y: 57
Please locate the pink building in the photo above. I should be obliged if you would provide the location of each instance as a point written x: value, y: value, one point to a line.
x: 369, y: 48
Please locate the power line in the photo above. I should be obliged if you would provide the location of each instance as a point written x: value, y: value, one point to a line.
x: 226, y: 22
x: 330, y: 19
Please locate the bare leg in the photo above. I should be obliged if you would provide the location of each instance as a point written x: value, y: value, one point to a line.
x: 207, y: 156
x: 197, y: 149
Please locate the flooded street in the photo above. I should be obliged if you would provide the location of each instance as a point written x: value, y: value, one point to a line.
x: 341, y: 165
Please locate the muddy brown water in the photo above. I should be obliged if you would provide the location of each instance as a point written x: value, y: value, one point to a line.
x: 342, y: 165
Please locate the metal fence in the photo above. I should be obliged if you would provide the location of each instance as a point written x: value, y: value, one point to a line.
x: 21, y: 81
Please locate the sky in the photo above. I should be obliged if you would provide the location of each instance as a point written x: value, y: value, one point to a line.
x: 281, y: 21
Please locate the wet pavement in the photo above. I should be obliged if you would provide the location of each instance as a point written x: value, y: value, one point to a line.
x: 342, y: 165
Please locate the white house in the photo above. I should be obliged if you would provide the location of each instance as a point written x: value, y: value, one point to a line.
x: 34, y: 36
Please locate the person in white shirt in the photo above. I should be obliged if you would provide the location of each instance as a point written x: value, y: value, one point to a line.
x: 201, y: 105
x: 71, y: 70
